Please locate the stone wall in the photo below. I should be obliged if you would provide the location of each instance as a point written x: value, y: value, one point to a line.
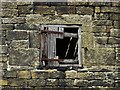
x: 20, y: 45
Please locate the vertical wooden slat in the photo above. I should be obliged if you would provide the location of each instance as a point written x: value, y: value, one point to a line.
x: 79, y: 47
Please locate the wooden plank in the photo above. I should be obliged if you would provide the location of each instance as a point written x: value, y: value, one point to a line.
x: 79, y: 47
x: 70, y: 35
x: 52, y: 59
x: 69, y: 61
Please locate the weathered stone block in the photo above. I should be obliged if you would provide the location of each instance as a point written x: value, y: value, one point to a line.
x: 102, y: 22
x: 80, y: 83
x: 3, y: 82
x: 36, y: 82
x: 2, y: 40
x: 71, y: 74
x: 104, y: 83
x: 9, y: 12
x: 102, y: 16
x: 13, y: 20
x: 24, y: 57
x: 15, y: 82
x: 65, y: 10
x: 104, y: 3
x: 57, y: 74
x: 3, y: 58
x: 97, y: 9
x: 102, y: 69
x: 117, y: 83
x: 115, y: 17
x: 77, y: 3
x: 111, y: 75
x: 34, y: 38
x: 7, y: 26
x: 110, y: 9
x: 26, y: 26
x: 9, y: 5
x: 40, y: 74
x: 99, y: 29
x: 106, y: 57
x: 44, y: 10
x: 52, y: 82
x: 115, y: 33
x: 24, y: 3
x: 85, y: 10
x: 117, y: 24
x: 100, y: 75
x: 85, y: 75
x: 2, y: 33
x: 17, y: 35
x: 24, y: 74
x: 3, y: 49
x: 25, y: 10
x: 10, y: 74
x: 19, y: 44
x: 66, y: 82
x: 115, y: 3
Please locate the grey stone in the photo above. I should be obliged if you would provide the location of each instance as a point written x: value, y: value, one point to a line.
x: 2, y: 40
x: 43, y: 10
x: 13, y: 20
x: 2, y: 33
x: 3, y: 58
x: 17, y: 35
x: 102, y: 22
x: 34, y: 38
x: 3, y: 49
x: 52, y: 82
x: 19, y: 44
x: 65, y: 10
x: 9, y: 5
x: 110, y: 9
x: 40, y: 74
x: 57, y: 74
x: 84, y: 10
x: 117, y: 24
x: 26, y: 26
x: 7, y: 26
x: 9, y: 12
x: 24, y: 57
x: 102, y: 16
x: 10, y: 74
x: 25, y: 10
x: 80, y: 83
x: 36, y: 82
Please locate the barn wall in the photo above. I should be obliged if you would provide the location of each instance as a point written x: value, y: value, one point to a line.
x: 20, y: 45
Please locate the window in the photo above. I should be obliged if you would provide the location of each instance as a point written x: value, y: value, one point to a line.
x: 60, y: 45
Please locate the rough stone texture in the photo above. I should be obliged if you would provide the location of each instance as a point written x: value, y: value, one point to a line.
x: 24, y: 74
x: 23, y: 10
x: 9, y: 5
x: 24, y: 57
x: 85, y: 10
x: 13, y: 20
x: 7, y: 26
x: 34, y: 39
x: 20, y: 63
x: 71, y: 74
x: 19, y: 44
x: 17, y: 35
x: 43, y: 10
x: 65, y: 10
x: 9, y: 12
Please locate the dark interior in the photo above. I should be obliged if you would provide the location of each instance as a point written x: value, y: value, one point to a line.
x: 67, y: 44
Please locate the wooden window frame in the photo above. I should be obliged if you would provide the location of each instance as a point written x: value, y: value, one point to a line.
x: 64, y: 35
